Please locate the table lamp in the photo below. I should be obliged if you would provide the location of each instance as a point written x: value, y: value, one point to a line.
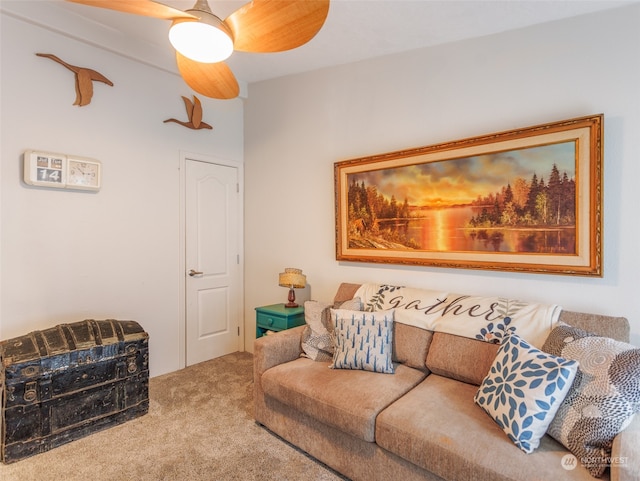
x: 293, y: 279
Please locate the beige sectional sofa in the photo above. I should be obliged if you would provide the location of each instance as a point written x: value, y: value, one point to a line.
x: 420, y: 423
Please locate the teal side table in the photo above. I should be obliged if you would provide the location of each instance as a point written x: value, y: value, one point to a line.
x: 276, y: 317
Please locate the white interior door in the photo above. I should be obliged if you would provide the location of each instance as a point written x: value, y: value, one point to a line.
x: 212, y: 260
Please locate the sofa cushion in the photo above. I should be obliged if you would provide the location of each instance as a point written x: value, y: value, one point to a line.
x: 364, y: 340
x: 524, y: 389
x: 461, y: 358
x: 345, y: 292
x: 348, y: 400
x: 606, y: 326
x: 410, y: 345
x: 605, y: 395
x: 456, y: 440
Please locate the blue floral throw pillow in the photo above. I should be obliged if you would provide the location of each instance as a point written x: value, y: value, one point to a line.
x: 524, y: 389
x: 364, y: 340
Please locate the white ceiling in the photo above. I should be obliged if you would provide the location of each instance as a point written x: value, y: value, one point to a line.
x: 355, y: 29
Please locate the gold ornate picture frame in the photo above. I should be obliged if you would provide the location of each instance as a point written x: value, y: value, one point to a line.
x: 526, y: 200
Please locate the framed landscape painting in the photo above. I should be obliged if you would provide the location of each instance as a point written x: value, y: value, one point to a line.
x: 526, y: 200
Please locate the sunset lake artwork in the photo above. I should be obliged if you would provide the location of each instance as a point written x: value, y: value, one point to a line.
x: 515, y: 201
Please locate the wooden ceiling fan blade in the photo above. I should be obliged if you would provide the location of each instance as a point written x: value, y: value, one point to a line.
x: 214, y: 80
x: 264, y: 26
x: 147, y: 8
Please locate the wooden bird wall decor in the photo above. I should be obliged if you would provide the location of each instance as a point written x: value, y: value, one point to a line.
x: 84, y: 79
x: 194, y: 114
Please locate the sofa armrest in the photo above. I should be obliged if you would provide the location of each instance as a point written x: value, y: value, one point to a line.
x: 277, y: 348
x: 269, y: 351
x: 625, y: 453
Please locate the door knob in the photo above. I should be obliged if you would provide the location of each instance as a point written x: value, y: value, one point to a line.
x: 195, y: 273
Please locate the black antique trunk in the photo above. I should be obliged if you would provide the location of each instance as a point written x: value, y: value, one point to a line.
x: 63, y: 383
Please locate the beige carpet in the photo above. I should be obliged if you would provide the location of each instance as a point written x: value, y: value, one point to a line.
x: 199, y: 427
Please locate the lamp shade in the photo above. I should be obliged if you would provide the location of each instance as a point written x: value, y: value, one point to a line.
x: 292, y: 278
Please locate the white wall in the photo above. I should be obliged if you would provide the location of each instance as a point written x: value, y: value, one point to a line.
x: 69, y: 255
x: 297, y: 127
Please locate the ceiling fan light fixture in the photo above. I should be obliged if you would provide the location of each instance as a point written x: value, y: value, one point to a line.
x: 207, y: 40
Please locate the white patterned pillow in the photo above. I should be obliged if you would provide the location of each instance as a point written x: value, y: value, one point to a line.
x: 317, y: 339
x: 354, y: 304
x: 604, y: 398
x: 364, y: 340
x: 524, y: 389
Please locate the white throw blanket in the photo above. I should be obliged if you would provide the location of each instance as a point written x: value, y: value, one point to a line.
x: 489, y: 319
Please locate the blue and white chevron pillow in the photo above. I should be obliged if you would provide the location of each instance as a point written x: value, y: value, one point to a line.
x: 364, y: 340
x: 524, y: 389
